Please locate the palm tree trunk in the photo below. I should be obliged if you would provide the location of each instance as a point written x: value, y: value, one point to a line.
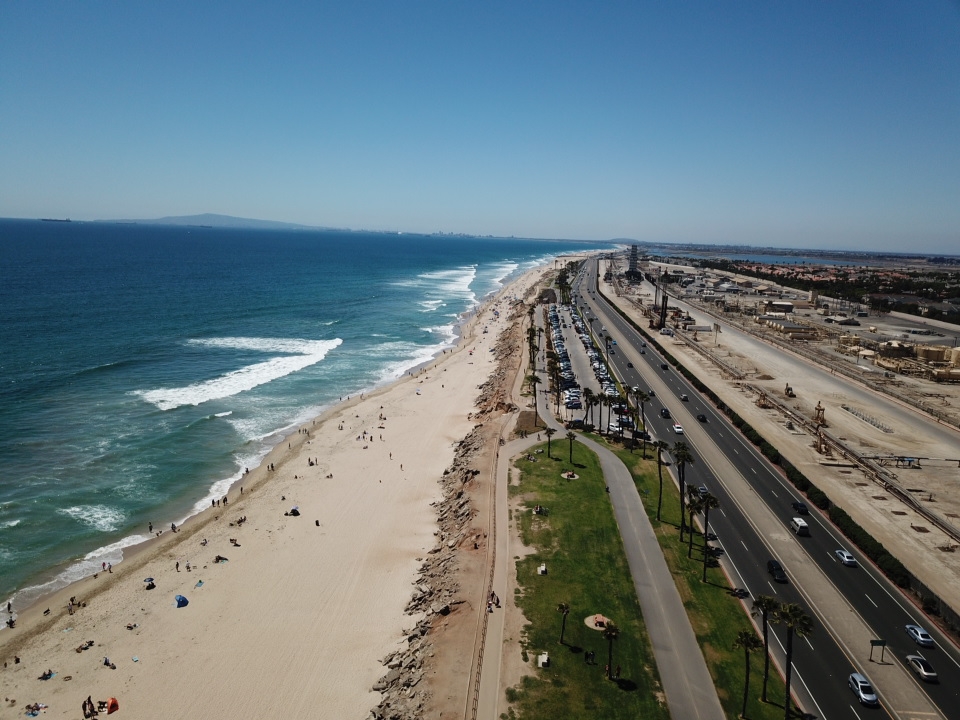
x: 746, y: 683
x: 788, y: 672
x: 706, y: 525
x: 766, y: 658
x: 683, y: 490
x: 660, y: 495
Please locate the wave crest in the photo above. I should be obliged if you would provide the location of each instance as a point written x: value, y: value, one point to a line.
x: 301, y: 354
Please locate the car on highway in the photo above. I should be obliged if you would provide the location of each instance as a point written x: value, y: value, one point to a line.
x: 703, y: 490
x: 800, y: 508
x: 683, y: 396
x: 678, y: 428
x: 663, y: 366
x: 702, y: 418
x: 862, y: 689
x: 776, y: 570
x: 920, y: 636
x: 845, y: 557
x: 629, y: 365
x: 664, y: 412
x: 923, y: 669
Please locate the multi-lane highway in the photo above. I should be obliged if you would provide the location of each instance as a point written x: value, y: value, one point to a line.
x: 851, y: 605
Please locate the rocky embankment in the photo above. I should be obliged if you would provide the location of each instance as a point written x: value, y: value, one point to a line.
x: 436, y: 587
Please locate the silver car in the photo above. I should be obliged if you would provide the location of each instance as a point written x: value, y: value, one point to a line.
x: 920, y: 636
x: 845, y: 557
x: 862, y: 689
x: 919, y: 664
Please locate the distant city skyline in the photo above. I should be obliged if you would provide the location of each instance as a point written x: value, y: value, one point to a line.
x: 800, y: 125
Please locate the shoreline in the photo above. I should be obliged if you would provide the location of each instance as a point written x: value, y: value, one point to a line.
x: 413, y: 532
x: 107, y: 553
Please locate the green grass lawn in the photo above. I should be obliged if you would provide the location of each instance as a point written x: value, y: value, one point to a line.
x: 579, y: 541
x: 716, y: 616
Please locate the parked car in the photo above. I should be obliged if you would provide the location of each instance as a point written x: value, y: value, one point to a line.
x: 920, y: 636
x: 919, y: 664
x: 776, y: 570
x: 845, y: 557
x: 862, y: 689
x: 800, y: 508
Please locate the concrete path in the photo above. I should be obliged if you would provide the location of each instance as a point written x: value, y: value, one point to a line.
x: 686, y: 682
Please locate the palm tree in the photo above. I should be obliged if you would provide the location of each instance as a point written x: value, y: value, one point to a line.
x: 611, y: 632
x: 695, y: 506
x: 641, y: 398
x: 564, y: 610
x: 588, y: 402
x: 765, y: 606
x: 660, y: 446
x: 550, y: 433
x: 571, y: 436
x: 748, y: 641
x: 535, y: 380
x: 708, y: 501
x: 682, y: 457
x: 797, y: 622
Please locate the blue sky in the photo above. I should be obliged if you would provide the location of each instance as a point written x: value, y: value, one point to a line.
x: 802, y: 124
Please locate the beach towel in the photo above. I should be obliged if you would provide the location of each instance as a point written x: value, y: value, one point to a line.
x: 199, y: 584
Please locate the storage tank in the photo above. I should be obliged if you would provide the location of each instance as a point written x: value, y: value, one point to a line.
x: 955, y: 357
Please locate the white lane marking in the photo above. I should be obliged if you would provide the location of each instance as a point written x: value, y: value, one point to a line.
x: 753, y: 471
x: 808, y: 641
x: 774, y: 494
x: 744, y: 546
x: 736, y: 451
x: 724, y: 514
x: 772, y: 587
x: 855, y: 714
x: 871, y: 600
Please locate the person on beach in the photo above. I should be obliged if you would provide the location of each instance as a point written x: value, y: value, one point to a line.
x: 150, y: 527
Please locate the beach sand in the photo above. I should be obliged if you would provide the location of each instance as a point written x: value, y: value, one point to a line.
x: 299, y: 618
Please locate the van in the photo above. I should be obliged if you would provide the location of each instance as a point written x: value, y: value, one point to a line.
x: 799, y: 526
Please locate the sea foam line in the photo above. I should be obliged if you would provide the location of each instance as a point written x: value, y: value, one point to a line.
x: 302, y: 354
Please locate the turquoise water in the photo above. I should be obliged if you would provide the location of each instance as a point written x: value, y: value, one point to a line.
x: 143, y: 367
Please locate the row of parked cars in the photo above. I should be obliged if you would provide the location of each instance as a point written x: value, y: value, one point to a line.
x: 568, y: 380
x: 857, y: 682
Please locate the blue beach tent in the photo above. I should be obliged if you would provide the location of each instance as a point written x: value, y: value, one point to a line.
x: 181, y: 601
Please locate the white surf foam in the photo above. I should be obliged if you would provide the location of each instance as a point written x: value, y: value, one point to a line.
x: 300, y: 354
x: 101, y: 517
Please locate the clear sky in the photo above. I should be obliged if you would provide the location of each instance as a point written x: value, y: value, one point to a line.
x: 802, y: 124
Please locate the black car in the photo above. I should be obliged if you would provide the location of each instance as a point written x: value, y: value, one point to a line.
x: 629, y: 365
x: 776, y: 569
x: 664, y: 413
x: 701, y: 417
x: 663, y: 366
x: 801, y: 508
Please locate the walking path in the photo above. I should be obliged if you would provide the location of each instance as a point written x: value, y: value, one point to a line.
x: 686, y: 682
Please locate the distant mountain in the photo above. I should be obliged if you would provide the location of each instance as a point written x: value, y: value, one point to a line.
x: 221, y: 221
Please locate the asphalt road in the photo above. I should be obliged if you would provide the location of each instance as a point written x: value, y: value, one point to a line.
x: 821, y: 663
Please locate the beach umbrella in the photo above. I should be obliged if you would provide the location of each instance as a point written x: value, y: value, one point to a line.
x: 148, y: 579
x: 181, y: 601
x: 112, y: 705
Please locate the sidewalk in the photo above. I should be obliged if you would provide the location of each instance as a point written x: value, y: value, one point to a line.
x: 686, y: 682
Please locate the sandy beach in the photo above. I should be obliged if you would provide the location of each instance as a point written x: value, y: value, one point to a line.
x: 300, y: 616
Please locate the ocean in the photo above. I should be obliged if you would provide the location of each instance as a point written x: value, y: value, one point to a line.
x: 143, y: 367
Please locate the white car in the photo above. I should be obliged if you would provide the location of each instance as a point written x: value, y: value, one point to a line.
x: 678, y: 428
x: 845, y: 557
